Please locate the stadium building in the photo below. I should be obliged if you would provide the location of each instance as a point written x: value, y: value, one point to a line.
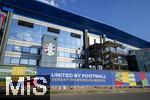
x: 39, y: 35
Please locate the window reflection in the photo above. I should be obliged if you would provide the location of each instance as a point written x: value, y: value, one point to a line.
x: 25, y: 49
x: 15, y: 61
x: 17, y: 48
x: 69, y: 55
x: 34, y: 35
x: 23, y: 61
x: 9, y: 47
x: 65, y: 39
x: 32, y: 62
x: 72, y: 55
x: 22, y: 49
x: 68, y: 65
x: 7, y: 60
x: 34, y: 50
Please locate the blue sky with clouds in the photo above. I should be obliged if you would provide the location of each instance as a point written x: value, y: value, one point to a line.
x: 132, y: 16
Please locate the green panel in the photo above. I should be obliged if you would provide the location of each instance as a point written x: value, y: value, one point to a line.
x: 145, y: 82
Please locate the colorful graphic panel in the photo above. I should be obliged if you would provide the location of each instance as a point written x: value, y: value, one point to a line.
x: 24, y: 71
x: 144, y: 78
x: 118, y: 79
x: 132, y: 81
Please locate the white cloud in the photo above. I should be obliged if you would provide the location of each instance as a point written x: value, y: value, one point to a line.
x: 50, y: 2
x: 54, y: 2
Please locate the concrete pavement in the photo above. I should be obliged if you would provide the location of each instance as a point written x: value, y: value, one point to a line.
x: 113, y: 96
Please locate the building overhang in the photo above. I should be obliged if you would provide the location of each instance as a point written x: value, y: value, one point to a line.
x: 47, y: 13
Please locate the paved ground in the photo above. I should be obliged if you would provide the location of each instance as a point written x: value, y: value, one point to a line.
x: 121, y: 96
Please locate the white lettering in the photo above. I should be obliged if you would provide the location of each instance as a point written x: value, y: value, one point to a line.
x: 12, y: 87
x: 39, y: 85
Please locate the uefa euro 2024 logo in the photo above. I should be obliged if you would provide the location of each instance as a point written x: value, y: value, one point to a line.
x: 49, y: 49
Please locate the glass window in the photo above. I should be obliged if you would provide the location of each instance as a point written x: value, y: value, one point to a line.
x: 9, y: 47
x: 73, y: 43
x: 32, y: 62
x: 59, y: 44
x: 12, y: 35
x: 77, y: 65
x: 67, y: 46
x: 72, y: 55
x: 58, y: 64
x: 78, y: 42
x: 24, y: 61
x: 73, y: 65
x: 15, y: 61
x: 17, y: 48
x: 67, y: 54
x: 21, y: 33
x: 7, y: 60
x: 61, y: 54
x: 34, y: 34
x: 26, y: 36
x: 61, y: 64
x: 26, y: 49
x: 34, y: 50
x: 67, y: 65
x: 73, y: 47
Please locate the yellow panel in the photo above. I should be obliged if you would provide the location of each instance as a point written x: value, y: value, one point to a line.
x: 133, y: 84
x: 132, y: 81
x: 125, y: 77
x: 18, y: 70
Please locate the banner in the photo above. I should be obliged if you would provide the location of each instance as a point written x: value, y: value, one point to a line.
x: 75, y: 77
x: 24, y: 71
x: 5, y: 71
x: 82, y: 77
x: 18, y: 70
x: 132, y: 79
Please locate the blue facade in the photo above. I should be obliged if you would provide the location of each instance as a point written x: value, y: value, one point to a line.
x: 34, y: 35
x: 57, y: 16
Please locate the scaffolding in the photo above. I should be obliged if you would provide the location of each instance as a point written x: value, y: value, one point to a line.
x: 108, y: 55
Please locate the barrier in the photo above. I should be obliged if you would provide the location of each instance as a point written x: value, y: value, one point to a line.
x: 82, y: 77
x: 19, y: 70
x: 75, y: 77
x: 132, y: 79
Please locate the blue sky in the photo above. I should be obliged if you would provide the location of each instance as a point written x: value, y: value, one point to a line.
x: 132, y: 16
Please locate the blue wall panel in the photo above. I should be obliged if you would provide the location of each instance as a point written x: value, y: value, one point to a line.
x: 71, y: 77
x: 148, y: 78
